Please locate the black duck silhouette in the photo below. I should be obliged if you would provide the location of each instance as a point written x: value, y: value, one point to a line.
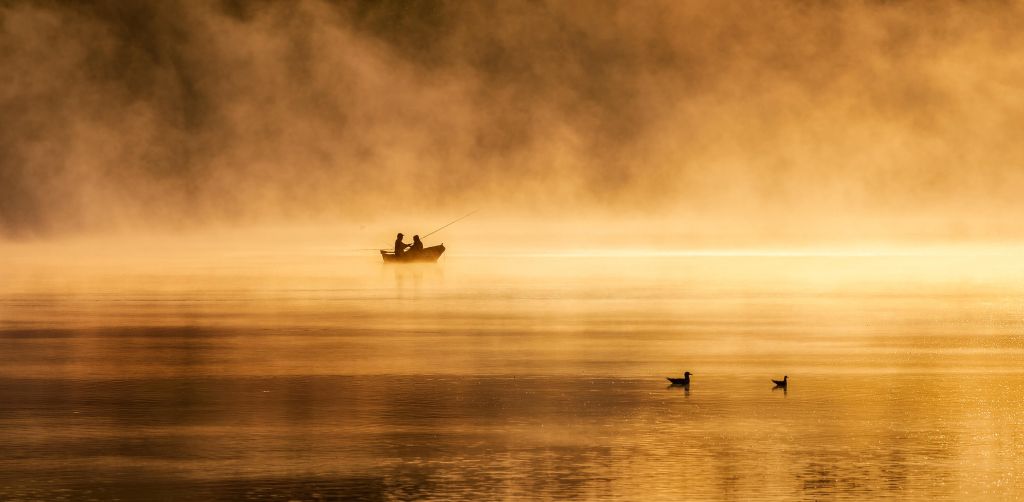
x: 782, y: 383
x: 681, y: 381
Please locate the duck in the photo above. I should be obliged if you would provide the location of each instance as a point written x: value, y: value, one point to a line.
x: 681, y: 381
x: 782, y: 383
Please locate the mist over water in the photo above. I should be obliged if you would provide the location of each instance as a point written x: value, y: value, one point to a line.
x: 193, y: 193
x: 890, y: 120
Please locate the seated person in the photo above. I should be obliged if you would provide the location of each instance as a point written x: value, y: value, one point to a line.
x: 400, y: 246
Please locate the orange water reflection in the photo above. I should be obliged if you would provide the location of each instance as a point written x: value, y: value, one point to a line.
x: 513, y: 378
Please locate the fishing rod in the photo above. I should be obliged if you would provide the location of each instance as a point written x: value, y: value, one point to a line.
x: 467, y: 215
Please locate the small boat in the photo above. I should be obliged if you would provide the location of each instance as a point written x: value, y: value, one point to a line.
x: 430, y: 255
x: 681, y: 381
x: 782, y: 383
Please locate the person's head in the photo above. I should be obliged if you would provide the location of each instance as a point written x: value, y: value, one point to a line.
x: 416, y: 238
x: 399, y: 236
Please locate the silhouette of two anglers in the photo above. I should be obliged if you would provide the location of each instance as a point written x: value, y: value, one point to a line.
x: 400, y: 246
x: 411, y: 252
x: 416, y: 251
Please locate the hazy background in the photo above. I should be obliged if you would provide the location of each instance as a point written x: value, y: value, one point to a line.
x: 190, y: 301
x: 724, y: 121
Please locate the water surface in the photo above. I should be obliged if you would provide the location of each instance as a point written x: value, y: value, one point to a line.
x: 528, y: 377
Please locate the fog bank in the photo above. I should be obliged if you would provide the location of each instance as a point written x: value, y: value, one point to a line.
x: 885, y: 119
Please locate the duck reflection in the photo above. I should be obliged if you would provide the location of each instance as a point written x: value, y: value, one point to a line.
x: 781, y: 384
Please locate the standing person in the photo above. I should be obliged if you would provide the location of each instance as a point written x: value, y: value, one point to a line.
x: 400, y: 246
x: 416, y: 244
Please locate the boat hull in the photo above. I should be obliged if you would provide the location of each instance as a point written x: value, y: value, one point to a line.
x: 428, y: 255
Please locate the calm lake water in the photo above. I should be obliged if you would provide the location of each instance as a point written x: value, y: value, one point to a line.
x: 513, y: 378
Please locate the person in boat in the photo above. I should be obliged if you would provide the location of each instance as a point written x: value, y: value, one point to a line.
x: 417, y: 245
x: 400, y: 246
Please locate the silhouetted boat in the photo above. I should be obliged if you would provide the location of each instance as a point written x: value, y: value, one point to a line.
x: 782, y: 383
x: 681, y: 381
x: 430, y: 254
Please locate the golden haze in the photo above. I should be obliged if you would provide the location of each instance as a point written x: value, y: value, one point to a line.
x: 706, y: 121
